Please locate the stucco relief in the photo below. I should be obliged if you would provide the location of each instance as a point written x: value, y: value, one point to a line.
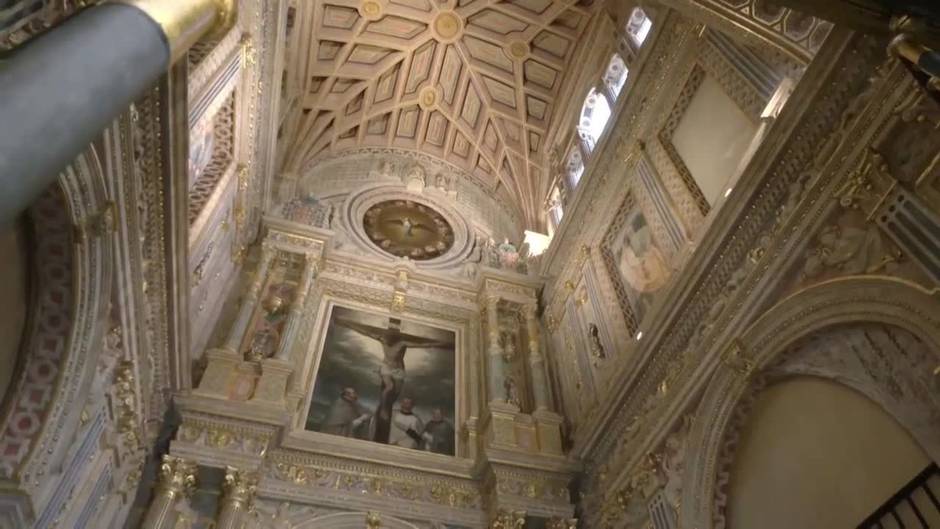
x: 336, y: 176
x: 876, y: 335
x: 882, y: 362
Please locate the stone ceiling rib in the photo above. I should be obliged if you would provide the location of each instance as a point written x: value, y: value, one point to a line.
x: 473, y: 85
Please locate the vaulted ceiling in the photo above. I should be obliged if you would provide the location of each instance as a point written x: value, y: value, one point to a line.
x: 473, y: 82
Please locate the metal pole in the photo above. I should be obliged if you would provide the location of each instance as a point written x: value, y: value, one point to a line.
x: 59, y: 91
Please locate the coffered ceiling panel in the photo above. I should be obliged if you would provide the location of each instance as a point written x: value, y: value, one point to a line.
x: 470, y: 81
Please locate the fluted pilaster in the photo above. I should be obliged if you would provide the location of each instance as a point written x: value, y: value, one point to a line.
x: 237, y: 332
x: 536, y: 362
x: 494, y: 351
x: 297, y: 309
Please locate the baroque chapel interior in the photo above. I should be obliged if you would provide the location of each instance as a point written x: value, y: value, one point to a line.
x: 470, y: 264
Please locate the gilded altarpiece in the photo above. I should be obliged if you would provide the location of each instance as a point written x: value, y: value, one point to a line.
x: 363, y: 387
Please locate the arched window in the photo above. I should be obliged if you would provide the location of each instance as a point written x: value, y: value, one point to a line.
x: 639, y: 26
x: 616, y: 75
x: 594, y: 116
x: 574, y: 167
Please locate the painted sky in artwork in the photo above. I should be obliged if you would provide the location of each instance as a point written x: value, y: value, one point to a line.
x: 351, y: 359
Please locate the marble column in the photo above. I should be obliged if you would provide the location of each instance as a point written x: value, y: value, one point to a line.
x: 494, y: 351
x: 176, y: 479
x: 237, y: 332
x: 297, y: 309
x: 238, y: 491
x: 536, y: 362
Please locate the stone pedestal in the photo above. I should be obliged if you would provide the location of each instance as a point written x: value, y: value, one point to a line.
x: 272, y: 386
x: 548, y: 425
x: 220, y: 371
x: 501, y: 430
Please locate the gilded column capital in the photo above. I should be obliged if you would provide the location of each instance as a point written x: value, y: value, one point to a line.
x: 176, y: 476
x: 562, y: 523
x: 508, y: 520
x: 491, y: 300
x: 238, y: 491
x: 239, y: 487
x: 267, y: 251
x: 312, y: 261
x: 530, y: 310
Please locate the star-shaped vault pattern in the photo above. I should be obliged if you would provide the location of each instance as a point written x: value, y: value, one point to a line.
x: 473, y: 82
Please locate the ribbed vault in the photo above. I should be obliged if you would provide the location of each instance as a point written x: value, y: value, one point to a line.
x: 473, y: 82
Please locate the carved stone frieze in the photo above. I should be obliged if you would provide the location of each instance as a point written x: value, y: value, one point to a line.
x: 540, y: 493
x: 345, y: 483
x: 218, y: 441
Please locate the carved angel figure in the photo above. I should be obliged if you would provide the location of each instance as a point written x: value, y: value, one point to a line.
x: 490, y: 255
x: 386, y: 169
x: 415, y: 178
x: 848, y: 249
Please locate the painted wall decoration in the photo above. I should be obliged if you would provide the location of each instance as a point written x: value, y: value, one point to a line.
x: 201, y: 147
x: 635, y: 260
x: 386, y: 380
x: 308, y: 210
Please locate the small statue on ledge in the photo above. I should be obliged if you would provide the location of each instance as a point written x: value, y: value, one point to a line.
x: 265, y: 340
x: 597, y: 348
x: 508, y: 255
x: 512, y: 392
x: 490, y: 253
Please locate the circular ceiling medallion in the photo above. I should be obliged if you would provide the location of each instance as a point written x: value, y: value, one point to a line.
x: 370, y: 10
x: 407, y: 229
x: 427, y: 98
x: 518, y: 49
x: 447, y: 26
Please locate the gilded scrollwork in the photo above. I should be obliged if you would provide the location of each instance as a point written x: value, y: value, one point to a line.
x: 506, y: 519
x: 219, y: 434
x: 404, y: 486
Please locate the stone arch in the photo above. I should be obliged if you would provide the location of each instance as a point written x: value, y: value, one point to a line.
x: 838, y: 304
x: 350, y: 520
x: 71, y: 255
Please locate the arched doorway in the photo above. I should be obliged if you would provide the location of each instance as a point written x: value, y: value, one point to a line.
x: 816, y: 454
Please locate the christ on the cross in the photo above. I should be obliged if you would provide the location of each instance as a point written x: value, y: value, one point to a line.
x: 392, y: 372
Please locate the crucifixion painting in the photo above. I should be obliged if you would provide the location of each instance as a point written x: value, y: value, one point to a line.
x: 387, y: 381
